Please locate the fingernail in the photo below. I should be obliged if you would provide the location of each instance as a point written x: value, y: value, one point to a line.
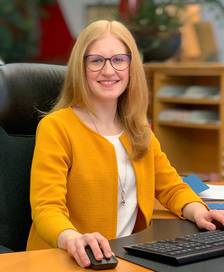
x: 87, y: 263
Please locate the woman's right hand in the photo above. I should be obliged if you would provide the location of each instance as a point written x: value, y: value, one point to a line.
x: 75, y: 243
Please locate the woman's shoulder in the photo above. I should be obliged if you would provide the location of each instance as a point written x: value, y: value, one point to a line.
x: 64, y: 112
x: 58, y: 118
x: 58, y: 115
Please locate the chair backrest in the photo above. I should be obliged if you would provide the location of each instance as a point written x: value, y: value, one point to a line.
x: 25, y: 88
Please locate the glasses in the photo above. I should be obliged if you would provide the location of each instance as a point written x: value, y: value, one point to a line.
x: 119, y: 62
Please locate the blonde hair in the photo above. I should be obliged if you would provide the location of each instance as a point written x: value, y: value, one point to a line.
x: 132, y: 104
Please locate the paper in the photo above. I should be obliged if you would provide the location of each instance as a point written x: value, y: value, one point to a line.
x: 214, y: 192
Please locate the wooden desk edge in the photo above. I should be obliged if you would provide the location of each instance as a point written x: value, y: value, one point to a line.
x: 58, y: 259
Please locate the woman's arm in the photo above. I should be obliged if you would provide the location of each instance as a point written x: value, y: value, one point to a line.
x: 48, y: 186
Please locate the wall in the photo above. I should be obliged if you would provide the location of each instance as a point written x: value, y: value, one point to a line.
x: 217, y: 17
x: 74, y: 12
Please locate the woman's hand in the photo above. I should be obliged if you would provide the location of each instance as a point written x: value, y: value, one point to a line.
x: 203, y: 217
x: 75, y: 243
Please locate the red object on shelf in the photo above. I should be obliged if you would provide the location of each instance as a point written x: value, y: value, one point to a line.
x: 56, y: 42
x: 128, y: 8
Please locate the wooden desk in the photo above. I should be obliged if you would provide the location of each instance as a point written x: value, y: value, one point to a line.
x: 55, y: 260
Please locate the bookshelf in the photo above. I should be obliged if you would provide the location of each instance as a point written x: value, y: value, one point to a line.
x: 190, y: 129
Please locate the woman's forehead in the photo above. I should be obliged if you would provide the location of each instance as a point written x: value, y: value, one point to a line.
x: 107, y: 44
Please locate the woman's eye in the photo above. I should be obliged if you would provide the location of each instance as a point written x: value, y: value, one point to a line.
x: 97, y: 60
x: 118, y: 60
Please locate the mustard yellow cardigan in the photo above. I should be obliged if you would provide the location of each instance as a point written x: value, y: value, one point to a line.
x: 74, y: 181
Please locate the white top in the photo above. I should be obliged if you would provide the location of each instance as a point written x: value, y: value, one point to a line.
x: 127, y: 212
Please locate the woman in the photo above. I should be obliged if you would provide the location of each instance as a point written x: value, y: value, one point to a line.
x: 97, y: 166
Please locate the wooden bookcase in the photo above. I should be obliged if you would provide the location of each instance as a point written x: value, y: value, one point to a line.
x: 197, y: 148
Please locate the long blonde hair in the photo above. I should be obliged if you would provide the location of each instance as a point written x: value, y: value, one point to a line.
x: 132, y: 104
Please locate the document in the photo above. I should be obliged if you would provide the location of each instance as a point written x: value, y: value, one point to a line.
x: 214, y: 192
x: 209, y: 193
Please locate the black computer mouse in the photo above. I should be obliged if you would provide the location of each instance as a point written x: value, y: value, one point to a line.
x: 105, y: 263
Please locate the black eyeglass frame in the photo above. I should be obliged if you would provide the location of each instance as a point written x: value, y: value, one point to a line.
x: 106, y: 59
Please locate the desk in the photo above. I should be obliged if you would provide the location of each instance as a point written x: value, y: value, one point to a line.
x: 55, y: 260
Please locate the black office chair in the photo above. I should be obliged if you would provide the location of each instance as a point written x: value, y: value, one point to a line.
x: 25, y: 89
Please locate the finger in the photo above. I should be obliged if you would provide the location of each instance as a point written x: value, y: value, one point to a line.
x: 205, y: 224
x: 217, y: 215
x: 104, y: 245
x: 77, y: 250
x: 83, y: 257
x: 79, y: 262
x: 93, y: 241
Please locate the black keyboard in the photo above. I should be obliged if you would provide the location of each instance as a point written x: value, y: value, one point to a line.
x: 182, y: 250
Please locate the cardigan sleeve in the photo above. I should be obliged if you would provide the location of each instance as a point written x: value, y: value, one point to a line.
x: 51, y: 162
x: 170, y: 190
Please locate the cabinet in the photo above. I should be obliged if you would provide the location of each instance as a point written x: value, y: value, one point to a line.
x: 191, y: 146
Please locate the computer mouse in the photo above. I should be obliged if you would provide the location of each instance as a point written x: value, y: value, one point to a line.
x: 105, y: 263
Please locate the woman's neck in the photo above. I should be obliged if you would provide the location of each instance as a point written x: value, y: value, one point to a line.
x: 106, y: 113
x: 102, y: 119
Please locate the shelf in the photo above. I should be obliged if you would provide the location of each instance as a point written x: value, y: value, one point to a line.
x: 205, y: 69
x: 191, y: 147
x: 180, y: 100
x: 190, y: 125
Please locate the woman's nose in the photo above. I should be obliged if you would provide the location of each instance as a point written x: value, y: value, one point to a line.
x: 108, y: 68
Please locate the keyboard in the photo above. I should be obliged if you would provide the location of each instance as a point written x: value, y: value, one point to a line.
x: 182, y: 250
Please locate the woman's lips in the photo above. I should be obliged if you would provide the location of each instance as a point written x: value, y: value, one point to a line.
x: 107, y: 83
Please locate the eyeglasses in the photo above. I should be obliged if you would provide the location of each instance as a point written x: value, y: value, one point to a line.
x: 96, y: 63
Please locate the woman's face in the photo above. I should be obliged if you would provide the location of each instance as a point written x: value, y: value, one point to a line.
x: 107, y: 83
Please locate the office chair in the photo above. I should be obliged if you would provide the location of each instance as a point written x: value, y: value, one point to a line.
x: 25, y: 89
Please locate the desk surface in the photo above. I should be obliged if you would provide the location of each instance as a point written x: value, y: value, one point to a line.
x: 55, y: 260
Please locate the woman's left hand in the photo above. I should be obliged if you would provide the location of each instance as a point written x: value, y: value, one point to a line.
x: 204, y: 218
x: 209, y: 219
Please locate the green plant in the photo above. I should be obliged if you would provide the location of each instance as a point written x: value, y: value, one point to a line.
x: 153, y: 17
x: 155, y: 24
x: 19, y: 31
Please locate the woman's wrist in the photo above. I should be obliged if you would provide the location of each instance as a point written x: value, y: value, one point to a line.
x: 191, y: 210
x: 65, y: 236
